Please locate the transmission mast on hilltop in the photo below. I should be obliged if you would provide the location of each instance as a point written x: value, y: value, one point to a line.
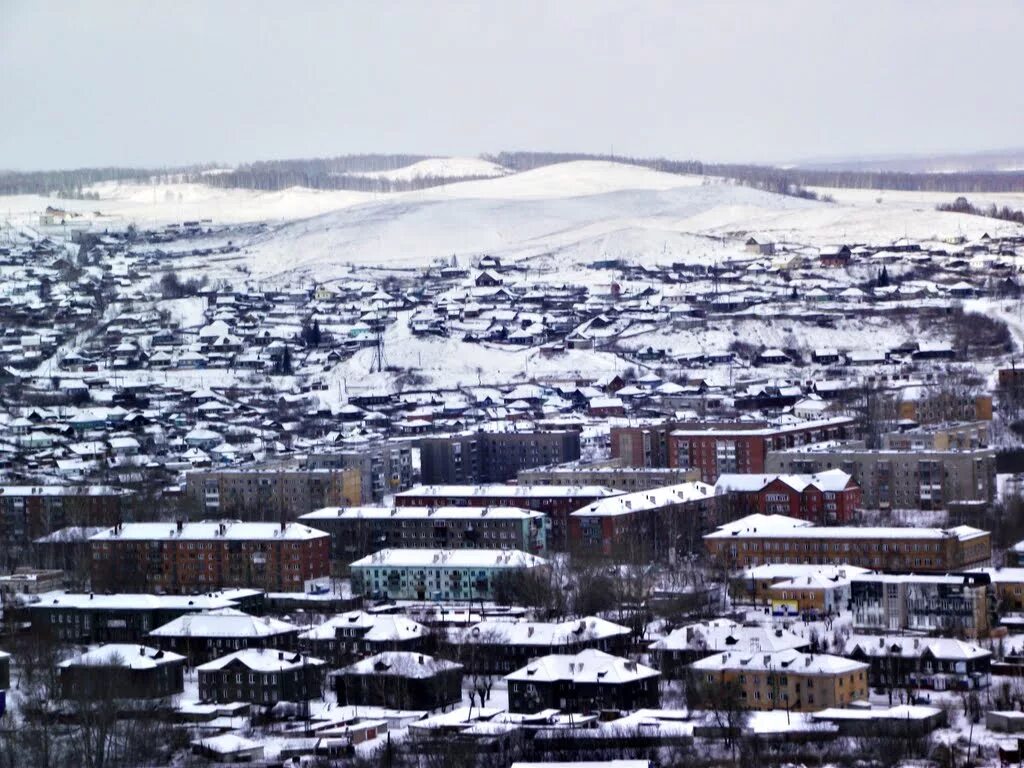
x: 379, y: 361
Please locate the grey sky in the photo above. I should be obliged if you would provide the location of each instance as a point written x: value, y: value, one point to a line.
x: 148, y: 82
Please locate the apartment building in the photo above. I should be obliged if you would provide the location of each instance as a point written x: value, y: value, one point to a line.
x: 385, y: 467
x: 715, y: 448
x: 788, y: 680
x: 926, y: 406
x: 435, y: 574
x: 959, y: 604
x: 946, y: 436
x: 360, y: 531
x: 29, y: 512
x: 271, y: 494
x: 555, y: 501
x: 658, y: 524
x: 182, y: 557
x: 261, y: 676
x: 609, y: 475
x: 825, y: 498
x: 493, y: 457
x: 897, y: 479
x: 765, y: 539
x: 121, y: 671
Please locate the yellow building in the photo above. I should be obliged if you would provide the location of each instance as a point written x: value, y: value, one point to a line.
x: 790, y: 680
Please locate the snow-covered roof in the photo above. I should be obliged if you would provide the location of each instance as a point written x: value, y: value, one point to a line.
x: 401, y: 664
x: 542, y: 633
x: 496, y: 490
x: 449, y: 558
x: 227, y: 530
x: 379, y: 627
x: 132, y: 601
x: 832, y: 480
x: 420, y: 513
x: 771, y: 526
x: 588, y: 666
x: 791, y: 660
x: 127, y: 655
x: 655, y: 498
x: 913, y: 647
x: 262, y: 660
x: 719, y: 636
x: 223, y: 622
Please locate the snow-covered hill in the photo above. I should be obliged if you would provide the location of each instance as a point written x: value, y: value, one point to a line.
x: 440, y: 168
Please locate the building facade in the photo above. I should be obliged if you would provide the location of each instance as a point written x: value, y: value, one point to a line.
x: 956, y: 604
x: 659, y: 524
x: 764, y: 539
x: 895, y: 479
x: 271, y: 495
x: 121, y: 672
x: 621, y: 478
x: 826, y: 498
x: 555, y: 501
x: 360, y: 531
x: 186, y: 557
x: 385, y: 467
x: 262, y: 677
x: 435, y: 574
x: 787, y: 680
x: 493, y: 457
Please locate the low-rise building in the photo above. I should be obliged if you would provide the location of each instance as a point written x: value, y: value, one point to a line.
x: 261, y: 676
x: 435, y: 574
x: 789, y: 680
x: 29, y: 581
x: 753, y: 585
x: 673, y: 653
x: 87, y: 618
x: 121, y: 671
x: 937, y: 663
x: 761, y: 539
x: 499, y: 647
x: 957, y: 604
x: 400, y: 680
x: 657, y: 524
x: 588, y: 681
x: 201, y: 637
x: 355, y: 635
x: 814, y: 595
x: 359, y: 531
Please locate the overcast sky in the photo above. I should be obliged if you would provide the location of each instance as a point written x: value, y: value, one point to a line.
x: 154, y: 83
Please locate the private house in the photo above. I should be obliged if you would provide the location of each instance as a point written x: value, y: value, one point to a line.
x: 589, y: 681
x: 121, y: 671
x: 400, y: 680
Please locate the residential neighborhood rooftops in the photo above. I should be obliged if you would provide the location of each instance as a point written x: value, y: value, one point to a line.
x: 209, y: 530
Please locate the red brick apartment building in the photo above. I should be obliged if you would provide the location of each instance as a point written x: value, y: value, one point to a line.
x: 190, y: 557
x: 825, y: 498
x: 720, y: 448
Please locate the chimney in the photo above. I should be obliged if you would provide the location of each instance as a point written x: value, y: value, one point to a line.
x: 421, y: 658
x: 280, y: 655
x: 181, y: 525
x: 529, y: 631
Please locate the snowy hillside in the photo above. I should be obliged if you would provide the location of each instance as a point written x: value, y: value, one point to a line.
x: 440, y: 168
